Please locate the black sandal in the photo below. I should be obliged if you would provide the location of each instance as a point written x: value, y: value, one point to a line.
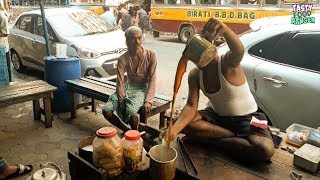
x: 21, y: 169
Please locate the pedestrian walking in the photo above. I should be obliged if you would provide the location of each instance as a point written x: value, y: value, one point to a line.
x: 142, y: 20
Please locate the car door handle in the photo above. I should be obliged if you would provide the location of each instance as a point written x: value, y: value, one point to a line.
x: 275, y: 81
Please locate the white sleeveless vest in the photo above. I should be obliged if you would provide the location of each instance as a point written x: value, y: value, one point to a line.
x: 230, y: 100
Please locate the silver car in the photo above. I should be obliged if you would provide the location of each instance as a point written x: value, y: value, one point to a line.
x: 87, y: 36
x: 282, y: 67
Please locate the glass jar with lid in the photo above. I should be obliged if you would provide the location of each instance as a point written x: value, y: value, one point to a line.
x: 132, y: 150
x: 108, y: 151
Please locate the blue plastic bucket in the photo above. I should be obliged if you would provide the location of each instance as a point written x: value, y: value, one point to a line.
x: 57, y: 70
x: 4, y: 75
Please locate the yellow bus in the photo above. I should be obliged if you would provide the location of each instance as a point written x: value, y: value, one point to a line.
x: 186, y: 17
x: 92, y: 5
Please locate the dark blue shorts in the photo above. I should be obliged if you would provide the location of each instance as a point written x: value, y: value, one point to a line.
x: 240, y: 125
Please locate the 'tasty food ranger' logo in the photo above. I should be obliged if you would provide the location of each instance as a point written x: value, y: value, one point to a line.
x: 302, y: 14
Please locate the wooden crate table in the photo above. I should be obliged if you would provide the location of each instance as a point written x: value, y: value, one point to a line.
x: 30, y: 91
x: 80, y: 168
x: 101, y: 89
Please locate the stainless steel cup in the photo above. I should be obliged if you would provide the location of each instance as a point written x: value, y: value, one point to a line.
x: 162, y: 162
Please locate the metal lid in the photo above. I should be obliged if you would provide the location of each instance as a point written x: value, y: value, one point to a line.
x: 46, y: 174
x: 132, y: 135
x: 106, y: 132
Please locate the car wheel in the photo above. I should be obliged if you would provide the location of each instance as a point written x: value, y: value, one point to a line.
x: 185, y: 33
x: 156, y: 34
x: 16, y: 61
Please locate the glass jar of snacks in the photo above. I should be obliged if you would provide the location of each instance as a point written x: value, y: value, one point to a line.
x: 132, y: 150
x: 108, y: 151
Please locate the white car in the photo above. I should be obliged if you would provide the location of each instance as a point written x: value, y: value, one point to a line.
x: 97, y: 43
x: 282, y: 67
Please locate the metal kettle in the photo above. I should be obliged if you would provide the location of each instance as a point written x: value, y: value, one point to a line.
x: 48, y: 173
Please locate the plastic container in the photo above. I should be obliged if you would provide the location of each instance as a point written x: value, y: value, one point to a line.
x: 132, y: 150
x: 108, y: 151
x: 297, y: 134
x: 57, y: 70
x: 313, y: 138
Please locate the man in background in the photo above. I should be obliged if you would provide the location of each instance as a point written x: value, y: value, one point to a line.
x: 125, y: 18
x: 142, y: 20
x: 108, y: 16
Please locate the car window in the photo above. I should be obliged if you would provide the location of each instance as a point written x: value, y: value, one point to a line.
x: 25, y: 23
x: 301, y: 50
x: 39, y: 29
x: 80, y: 24
x: 262, y: 49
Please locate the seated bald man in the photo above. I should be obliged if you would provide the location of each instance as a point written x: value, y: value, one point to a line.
x: 140, y: 65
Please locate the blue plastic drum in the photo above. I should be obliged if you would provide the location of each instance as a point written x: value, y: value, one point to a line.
x: 57, y: 70
x: 4, y: 75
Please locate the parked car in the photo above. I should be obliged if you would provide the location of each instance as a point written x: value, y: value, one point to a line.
x: 97, y: 43
x: 282, y: 67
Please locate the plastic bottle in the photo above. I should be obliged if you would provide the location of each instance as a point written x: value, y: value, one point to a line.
x: 108, y: 151
x: 132, y: 150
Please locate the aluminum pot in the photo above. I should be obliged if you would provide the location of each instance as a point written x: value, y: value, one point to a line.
x: 200, y: 51
x: 85, y: 148
x: 162, y: 162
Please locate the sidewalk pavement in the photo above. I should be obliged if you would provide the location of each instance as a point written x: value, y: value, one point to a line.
x: 26, y: 141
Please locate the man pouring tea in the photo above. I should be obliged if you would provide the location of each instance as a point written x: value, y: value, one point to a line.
x: 226, y: 121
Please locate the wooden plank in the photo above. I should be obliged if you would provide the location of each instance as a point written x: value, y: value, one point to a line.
x: 81, y: 169
x: 73, y: 105
x: 97, y: 95
x: 105, y: 81
x: 24, y: 89
x: 158, y: 97
x: 157, y: 109
x: 34, y: 90
x: 23, y: 85
x: 36, y: 109
x: 162, y: 119
x: 90, y: 86
x: 30, y: 91
x: 21, y: 99
x: 209, y: 162
x: 47, y: 112
x: 94, y: 105
x: 101, y: 88
x: 99, y: 83
x: 113, y: 77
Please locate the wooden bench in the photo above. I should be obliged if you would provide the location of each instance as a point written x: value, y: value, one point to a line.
x: 34, y: 90
x: 101, y: 89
